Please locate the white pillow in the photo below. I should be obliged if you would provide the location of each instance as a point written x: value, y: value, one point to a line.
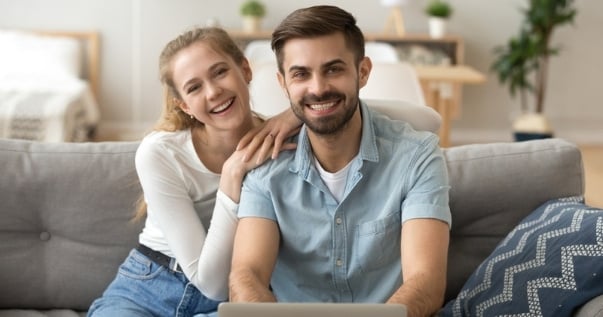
x: 38, y: 56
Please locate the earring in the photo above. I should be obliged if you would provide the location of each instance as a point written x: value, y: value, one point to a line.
x: 191, y: 117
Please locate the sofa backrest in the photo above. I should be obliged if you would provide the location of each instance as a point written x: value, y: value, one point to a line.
x: 66, y: 208
x: 65, y: 211
x: 494, y: 186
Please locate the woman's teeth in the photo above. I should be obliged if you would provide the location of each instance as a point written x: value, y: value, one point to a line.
x: 223, y: 106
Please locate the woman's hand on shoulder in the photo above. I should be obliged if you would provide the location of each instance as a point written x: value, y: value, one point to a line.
x: 270, y: 137
x: 237, y: 165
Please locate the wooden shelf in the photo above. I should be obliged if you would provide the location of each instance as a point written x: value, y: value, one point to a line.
x: 450, y: 44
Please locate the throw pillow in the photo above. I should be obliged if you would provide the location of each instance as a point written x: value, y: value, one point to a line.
x: 549, y: 265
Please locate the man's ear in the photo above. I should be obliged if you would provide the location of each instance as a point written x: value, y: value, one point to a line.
x: 281, y: 81
x: 364, y: 70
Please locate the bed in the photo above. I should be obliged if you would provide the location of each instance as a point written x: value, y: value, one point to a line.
x: 49, y: 85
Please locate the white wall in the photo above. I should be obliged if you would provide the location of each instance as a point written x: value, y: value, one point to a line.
x: 134, y: 31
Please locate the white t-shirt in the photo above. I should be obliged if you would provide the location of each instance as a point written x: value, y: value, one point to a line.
x: 335, y: 181
x: 181, y: 196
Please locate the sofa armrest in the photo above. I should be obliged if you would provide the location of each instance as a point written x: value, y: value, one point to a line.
x: 494, y: 186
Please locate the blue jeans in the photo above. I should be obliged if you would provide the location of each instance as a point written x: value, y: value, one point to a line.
x: 144, y: 288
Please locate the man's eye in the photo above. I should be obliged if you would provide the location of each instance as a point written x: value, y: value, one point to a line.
x: 298, y: 75
x: 334, y: 69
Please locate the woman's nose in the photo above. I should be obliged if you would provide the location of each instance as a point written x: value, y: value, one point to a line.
x: 213, y: 90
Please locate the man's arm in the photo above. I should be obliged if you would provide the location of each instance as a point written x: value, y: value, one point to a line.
x: 424, y: 258
x: 254, y: 256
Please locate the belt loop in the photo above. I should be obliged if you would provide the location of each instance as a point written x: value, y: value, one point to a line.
x: 174, y: 266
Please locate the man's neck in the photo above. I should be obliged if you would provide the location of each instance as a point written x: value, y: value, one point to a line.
x: 336, y: 150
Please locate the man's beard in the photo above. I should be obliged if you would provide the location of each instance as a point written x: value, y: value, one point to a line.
x: 326, y: 125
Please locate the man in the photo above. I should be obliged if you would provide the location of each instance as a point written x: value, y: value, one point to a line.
x: 359, y: 212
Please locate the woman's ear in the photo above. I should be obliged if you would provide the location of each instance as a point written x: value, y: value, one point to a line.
x: 246, y: 69
x: 181, y: 104
x: 364, y: 70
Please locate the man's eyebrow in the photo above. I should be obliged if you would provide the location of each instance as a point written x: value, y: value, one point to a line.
x: 325, y: 65
x: 333, y: 62
x: 295, y: 67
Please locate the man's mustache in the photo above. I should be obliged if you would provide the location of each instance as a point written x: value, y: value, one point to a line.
x: 329, y: 95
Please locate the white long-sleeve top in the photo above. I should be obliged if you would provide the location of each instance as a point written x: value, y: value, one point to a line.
x: 181, y: 196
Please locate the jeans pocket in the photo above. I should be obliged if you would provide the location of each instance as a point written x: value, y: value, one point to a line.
x: 378, y: 242
x: 137, y: 266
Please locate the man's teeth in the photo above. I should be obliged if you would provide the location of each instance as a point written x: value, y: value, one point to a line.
x: 322, y: 106
x: 223, y: 106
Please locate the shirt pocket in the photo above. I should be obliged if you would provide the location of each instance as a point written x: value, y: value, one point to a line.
x: 378, y: 242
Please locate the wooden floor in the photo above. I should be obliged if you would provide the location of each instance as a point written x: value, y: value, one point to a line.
x: 592, y: 156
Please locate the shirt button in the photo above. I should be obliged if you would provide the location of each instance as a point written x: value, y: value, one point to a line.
x: 339, y: 262
x: 338, y: 221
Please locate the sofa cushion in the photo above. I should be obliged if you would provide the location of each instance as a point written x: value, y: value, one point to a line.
x: 65, y: 220
x: 494, y: 186
x: 549, y: 265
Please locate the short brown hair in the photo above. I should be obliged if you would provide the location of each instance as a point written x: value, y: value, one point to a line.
x: 318, y: 21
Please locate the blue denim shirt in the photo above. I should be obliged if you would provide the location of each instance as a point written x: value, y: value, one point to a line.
x: 348, y: 251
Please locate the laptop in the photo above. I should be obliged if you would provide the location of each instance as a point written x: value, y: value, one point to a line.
x: 227, y: 309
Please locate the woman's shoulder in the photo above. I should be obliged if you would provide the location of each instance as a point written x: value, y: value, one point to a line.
x: 163, y: 142
x: 166, y: 138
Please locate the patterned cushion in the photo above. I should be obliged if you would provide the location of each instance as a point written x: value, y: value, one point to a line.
x: 548, y: 265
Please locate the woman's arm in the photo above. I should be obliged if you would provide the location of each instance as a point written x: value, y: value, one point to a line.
x: 216, y: 255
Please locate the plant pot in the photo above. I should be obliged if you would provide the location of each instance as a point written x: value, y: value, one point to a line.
x: 532, y: 126
x: 252, y: 24
x: 437, y: 27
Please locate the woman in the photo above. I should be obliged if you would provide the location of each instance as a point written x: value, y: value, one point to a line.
x: 178, y: 269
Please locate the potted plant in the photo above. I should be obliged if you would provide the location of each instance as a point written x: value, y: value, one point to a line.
x: 438, y: 11
x: 252, y: 12
x: 523, y: 63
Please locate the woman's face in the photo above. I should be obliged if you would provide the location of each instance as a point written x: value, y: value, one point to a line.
x: 213, y: 88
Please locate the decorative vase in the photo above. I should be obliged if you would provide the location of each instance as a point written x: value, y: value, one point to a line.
x: 437, y: 27
x: 252, y: 24
x: 532, y: 126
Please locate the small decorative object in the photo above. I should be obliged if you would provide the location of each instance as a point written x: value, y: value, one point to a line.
x: 395, y: 20
x: 522, y: 64
x: 212, y: 22
x: 252, y: 12
x: 438, y: 11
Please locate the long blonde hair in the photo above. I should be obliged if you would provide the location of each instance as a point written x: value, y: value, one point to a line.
x: 172, y: 117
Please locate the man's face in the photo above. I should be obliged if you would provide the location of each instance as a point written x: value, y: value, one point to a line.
x: 322, y: 81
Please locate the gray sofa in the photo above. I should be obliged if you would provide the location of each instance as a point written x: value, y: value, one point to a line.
x: 66, y: 209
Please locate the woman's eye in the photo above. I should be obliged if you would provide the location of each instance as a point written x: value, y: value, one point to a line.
x: 221, y: 71
x: 192, y: 88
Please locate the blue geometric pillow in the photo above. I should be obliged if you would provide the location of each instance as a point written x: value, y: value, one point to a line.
x: 549, y: 265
